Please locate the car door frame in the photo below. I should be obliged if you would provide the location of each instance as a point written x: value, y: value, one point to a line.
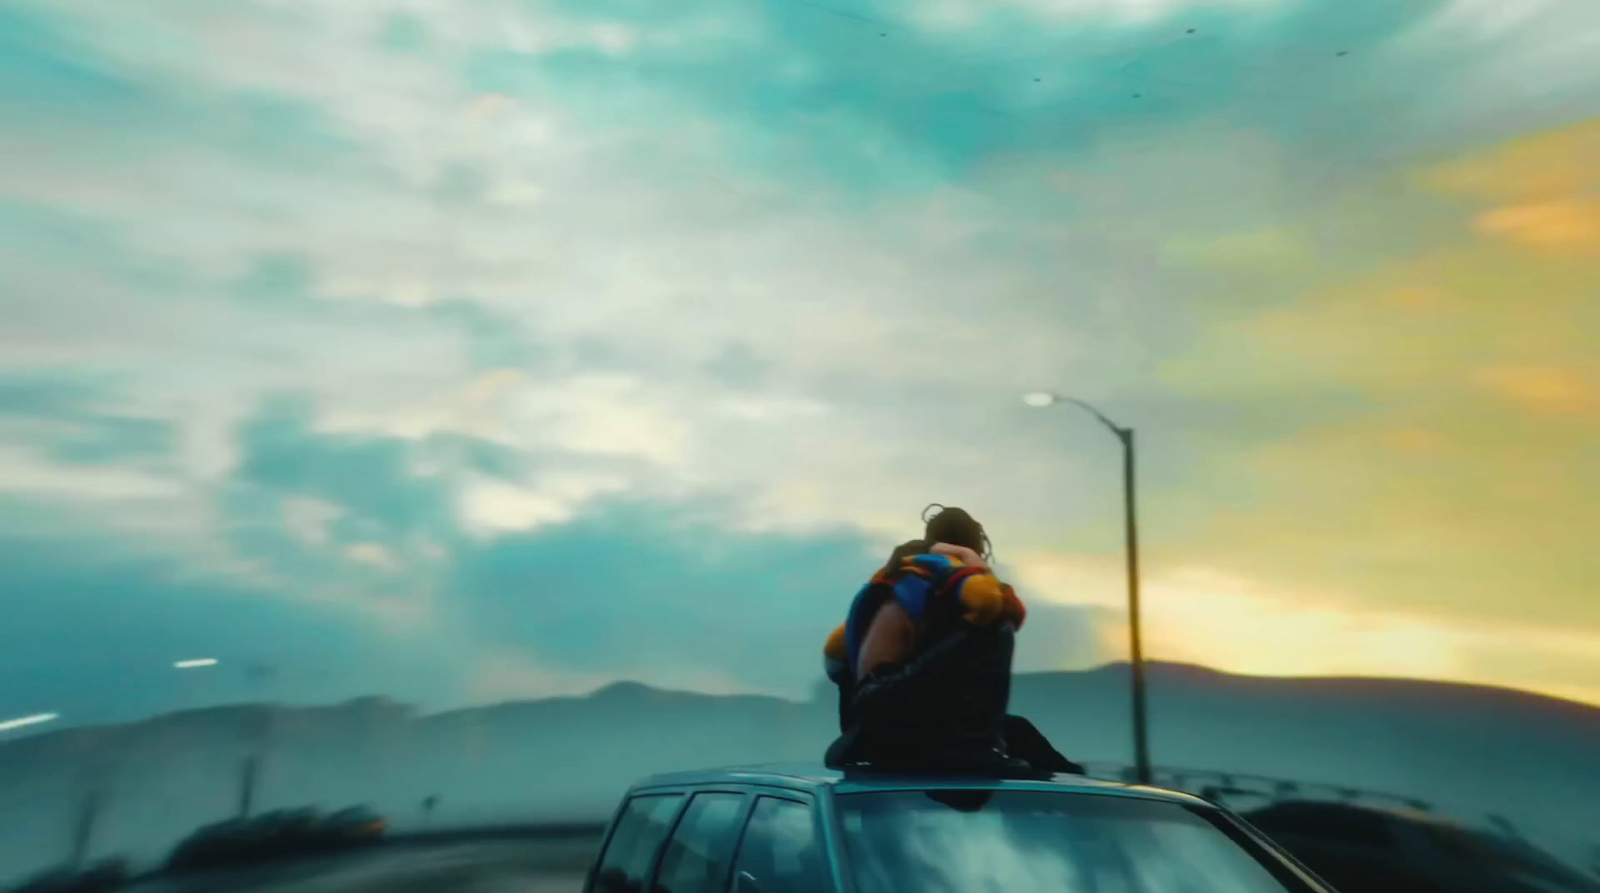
x: 683, y: 792
x: 832, y: 829
x: 1273, y: 851
x: 815, y: 805
x: 746, y: 804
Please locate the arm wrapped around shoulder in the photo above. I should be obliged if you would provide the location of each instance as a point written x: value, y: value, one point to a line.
x: 985, y: 601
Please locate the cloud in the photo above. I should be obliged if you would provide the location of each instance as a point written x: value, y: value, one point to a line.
x: 657, y: 594
x: 965, y: 13
x: 1541, y: 188
x: 663, y: 594
x: 68, y: 418
x: 493, y: 506
x: 1545, y: 390
x: 1550, y: 164
x: 1449, y: 481
x: 1197, y: 614
x: 362, y: 540
x: 524, y: 281
x: 95, y: 623
x: 1561, y: 226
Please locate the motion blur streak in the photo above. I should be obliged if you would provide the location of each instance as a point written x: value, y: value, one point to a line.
x: 21, y: 721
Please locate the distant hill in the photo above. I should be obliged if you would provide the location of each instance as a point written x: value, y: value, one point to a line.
x: 1469, y: 750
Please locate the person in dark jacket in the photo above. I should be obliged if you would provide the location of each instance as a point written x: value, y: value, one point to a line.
x: 923, y: 661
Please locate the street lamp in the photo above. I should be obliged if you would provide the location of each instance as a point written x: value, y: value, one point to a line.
x: 260, y: 738
x: 1141, y: 748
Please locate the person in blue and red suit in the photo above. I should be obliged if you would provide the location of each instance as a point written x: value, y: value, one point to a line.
x: 923, y: 661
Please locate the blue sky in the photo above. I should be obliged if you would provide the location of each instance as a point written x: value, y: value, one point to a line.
x: 501, y: 349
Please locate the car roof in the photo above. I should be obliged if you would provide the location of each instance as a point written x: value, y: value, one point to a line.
x: 813, y: 777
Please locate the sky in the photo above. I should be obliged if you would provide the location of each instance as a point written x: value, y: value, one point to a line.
x: 462, y: 352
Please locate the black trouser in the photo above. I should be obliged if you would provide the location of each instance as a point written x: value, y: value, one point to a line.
x: 949, y: 701
x: 944, y: 710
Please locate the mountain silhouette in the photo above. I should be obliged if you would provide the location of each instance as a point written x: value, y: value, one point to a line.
x: 1469, y: 751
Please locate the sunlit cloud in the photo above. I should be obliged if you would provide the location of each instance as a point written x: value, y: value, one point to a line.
x: 495, y: 506
x: 1554, y: 165
x: 373, y: 555
x: 1203, y: 616
x: 1444, y: 466
x: 1545, y: 390
x: 1568, y: 225
x: 955, y: 14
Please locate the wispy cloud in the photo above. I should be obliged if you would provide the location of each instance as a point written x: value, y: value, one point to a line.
x: 487, y: 319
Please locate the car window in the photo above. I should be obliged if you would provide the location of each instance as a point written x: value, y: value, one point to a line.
x: 779, y: 852
x: 1037, y: 841
x: 697, y: 856
x: 639, y: 832
x: 1325, y: 821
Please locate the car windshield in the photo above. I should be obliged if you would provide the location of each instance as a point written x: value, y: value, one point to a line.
x: 1025, y: 841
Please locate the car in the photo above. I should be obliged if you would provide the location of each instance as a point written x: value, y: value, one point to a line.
x: 270, y: 835
x: 805, y: 829
x: 286, y: 827
x: 281, y: 833
x: 352, y: 825
x: 1381, y: 849
x: 218, y: 843
x: 97, y: 877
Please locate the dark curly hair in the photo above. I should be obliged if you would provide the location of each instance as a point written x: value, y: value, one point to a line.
x: 944, y: 524
x: 954, y: 526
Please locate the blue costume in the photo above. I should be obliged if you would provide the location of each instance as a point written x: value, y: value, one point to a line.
x: 933, y: 590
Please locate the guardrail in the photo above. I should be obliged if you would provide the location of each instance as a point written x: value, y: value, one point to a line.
x: 508, y: 831
x: 422, y: 837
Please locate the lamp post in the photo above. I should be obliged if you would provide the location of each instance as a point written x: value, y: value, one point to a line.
x: 254, y: 737
x: 1141, y: 747
x: 260, y: 733
x: 100, y: 773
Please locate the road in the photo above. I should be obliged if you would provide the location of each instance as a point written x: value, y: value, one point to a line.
x: 498, y: 866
